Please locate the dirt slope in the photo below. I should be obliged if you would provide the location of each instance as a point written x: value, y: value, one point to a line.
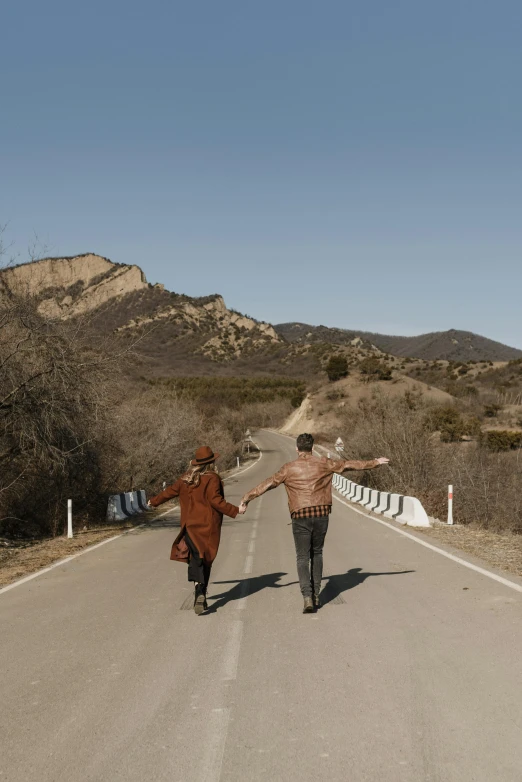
x: 319, y: 412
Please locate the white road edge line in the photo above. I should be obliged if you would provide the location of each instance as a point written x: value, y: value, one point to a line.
x: 248, y: 564
x: 246, y: 469
x: 458, y: 560
x: 86, y: 550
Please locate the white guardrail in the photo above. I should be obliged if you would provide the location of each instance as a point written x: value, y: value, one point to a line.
x: 123, y: 506
x: 406, y: 510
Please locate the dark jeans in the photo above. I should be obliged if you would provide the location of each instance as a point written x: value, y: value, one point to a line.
x: 309, y: 535
x: 198, y: 571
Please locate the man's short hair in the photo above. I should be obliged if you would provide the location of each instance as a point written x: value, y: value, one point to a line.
x: 305, y: 442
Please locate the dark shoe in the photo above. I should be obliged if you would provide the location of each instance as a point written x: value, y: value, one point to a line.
x: 317, y: 601
x: 308, y: 607
x: 199, y: 604
x: 200, y: 600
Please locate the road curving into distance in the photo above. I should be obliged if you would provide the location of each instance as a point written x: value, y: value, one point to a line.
x: 411, y: 671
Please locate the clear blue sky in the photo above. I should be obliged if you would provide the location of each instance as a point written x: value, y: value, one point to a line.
x: 354, y: 163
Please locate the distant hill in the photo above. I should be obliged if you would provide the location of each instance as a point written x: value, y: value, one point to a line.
x: 451, y: 345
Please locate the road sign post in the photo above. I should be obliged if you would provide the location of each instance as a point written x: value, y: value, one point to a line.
x: 450, y: 504
x: 69, y: 519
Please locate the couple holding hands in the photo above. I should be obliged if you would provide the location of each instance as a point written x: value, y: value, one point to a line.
x: 308, y: 483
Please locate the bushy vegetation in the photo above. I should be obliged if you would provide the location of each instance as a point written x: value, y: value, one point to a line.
x: 451, y: 423
x: 501, y: 440
x: 486, y: 483
x: 337, y: 368
x: 235, y: 392
x: 372, y: 368
x: 72, y: 425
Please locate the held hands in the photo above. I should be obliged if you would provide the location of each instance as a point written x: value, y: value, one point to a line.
x: 242, y: 508
x: 383, y: 460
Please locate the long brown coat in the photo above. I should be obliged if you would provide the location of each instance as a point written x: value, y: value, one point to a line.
x: 202, y: 510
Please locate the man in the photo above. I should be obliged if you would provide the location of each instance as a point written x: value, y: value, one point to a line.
x: 308, y: 483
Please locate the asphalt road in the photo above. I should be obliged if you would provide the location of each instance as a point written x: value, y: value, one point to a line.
x: 411, y: 671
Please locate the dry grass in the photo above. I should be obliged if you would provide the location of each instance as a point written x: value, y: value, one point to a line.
x: 499, y: 551
x: 17, y: 561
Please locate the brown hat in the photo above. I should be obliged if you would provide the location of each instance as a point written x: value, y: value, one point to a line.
x: 204, y: 455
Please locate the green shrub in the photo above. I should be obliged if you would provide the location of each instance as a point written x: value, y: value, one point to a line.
x: 337, y: 368
x: 451, y: 424
x: 373, y: 368
x: 501, y: 440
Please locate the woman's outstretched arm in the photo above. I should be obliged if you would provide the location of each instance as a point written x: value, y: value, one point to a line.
x: 167, y: 494
x: 217, y: 500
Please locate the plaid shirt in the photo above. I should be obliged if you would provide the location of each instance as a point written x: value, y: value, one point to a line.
x: 313, y: 512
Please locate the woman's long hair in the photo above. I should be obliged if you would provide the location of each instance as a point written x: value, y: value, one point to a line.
x: 194, y: 473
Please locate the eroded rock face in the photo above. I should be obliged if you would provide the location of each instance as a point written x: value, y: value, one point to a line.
x: 68, y: 287
x: 72, y: 286
x: 57, y: 273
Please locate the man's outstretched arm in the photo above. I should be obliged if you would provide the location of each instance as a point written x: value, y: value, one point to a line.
x: 271, y: 483
x: 345, y: 465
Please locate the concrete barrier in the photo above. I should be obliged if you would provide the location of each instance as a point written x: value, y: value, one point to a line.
x: 366, y: 496
x: 114, y: 509
x: 126, y: 505
x: 413, y: 513
x: 353, y: 491
x: 406, y: 510
x: 142, y: 500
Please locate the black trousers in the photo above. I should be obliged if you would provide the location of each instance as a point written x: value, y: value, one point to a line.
x: 309, y: 535
x: 198, y: 570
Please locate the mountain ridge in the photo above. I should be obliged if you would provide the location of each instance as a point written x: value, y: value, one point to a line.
x: 449, y: 345
x: 200, y: 334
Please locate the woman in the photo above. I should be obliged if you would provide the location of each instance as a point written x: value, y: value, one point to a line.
x: 203, y: 504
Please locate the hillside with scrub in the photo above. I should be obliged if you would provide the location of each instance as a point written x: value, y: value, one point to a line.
x: 108, y: 383
x: 453, y: 423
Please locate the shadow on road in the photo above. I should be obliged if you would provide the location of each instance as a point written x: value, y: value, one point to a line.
x: 342, y: 582
x: 243, y: 587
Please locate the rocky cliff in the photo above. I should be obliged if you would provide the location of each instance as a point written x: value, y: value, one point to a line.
x: 118, y: 299
x: 67, y: 287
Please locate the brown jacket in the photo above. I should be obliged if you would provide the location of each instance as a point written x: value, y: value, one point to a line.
x: 202, y: 510
x: 308, y: 480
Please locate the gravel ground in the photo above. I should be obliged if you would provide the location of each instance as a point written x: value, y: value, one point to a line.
x: 500, y: 551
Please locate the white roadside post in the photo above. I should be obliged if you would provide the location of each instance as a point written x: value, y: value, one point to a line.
x: 238, y: 461
x: 69, y: 519
x: 450, y: 504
